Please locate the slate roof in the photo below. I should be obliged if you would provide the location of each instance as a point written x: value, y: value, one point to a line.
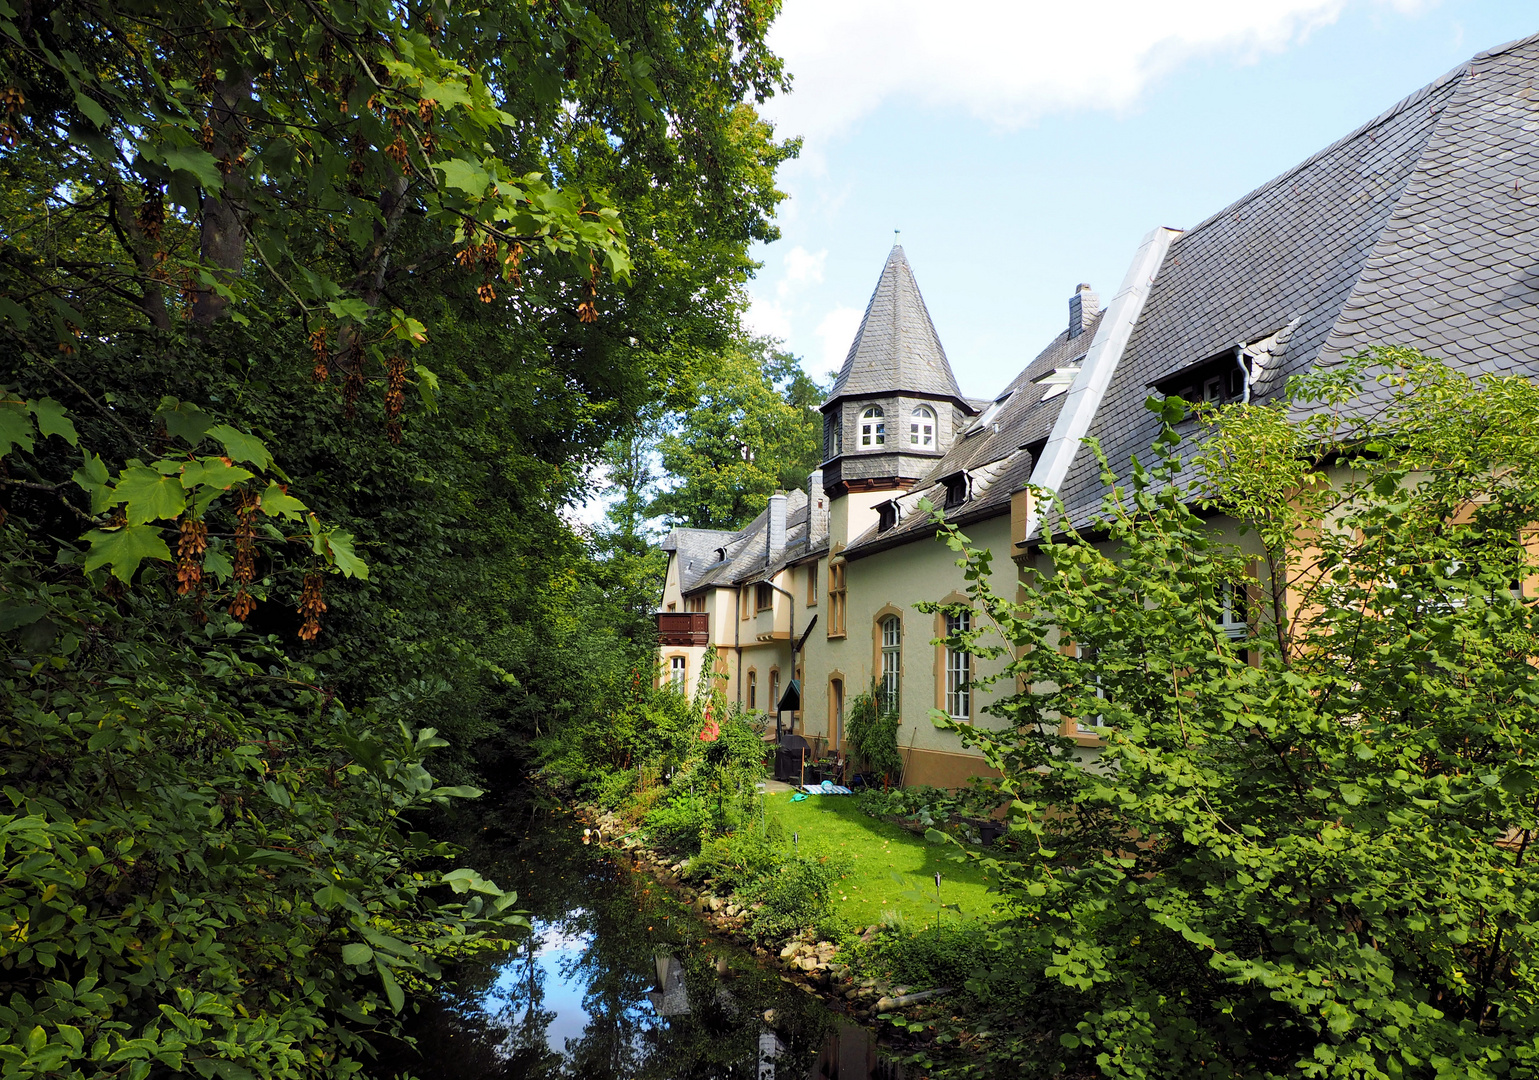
x: 746, y: 550
x: 1419, y: 228
x: 896, y: 349
x: 993, y: 456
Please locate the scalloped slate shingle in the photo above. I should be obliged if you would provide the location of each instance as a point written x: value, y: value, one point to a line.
x: 896, y: 350
x: 1420, y: 228
x: 1455, y: 273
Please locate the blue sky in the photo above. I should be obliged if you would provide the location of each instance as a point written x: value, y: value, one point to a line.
x: 1025, y: 147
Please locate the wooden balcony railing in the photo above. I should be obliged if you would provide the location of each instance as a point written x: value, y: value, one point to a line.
x: 683, y: 628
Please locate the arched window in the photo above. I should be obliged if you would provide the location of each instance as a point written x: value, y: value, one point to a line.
x: 959, y: 670
x: 921, y: 427
x: 892, y: 662
x: 873, y: 427
x: 773, y: 704
x: 753, y: 690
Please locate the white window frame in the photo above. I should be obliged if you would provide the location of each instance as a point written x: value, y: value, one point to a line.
x: 959, y: 670
x: 921, y: 427
x: 873, y: 427
x: 892, y: 664
x: 1232, y: 619
x: 1087, y: 654
x: 678, y: 673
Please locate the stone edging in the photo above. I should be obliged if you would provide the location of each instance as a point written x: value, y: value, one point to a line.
x: 804, y: 961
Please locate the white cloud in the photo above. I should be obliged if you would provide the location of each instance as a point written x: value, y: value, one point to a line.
x: 1011, y: 61
x: 836, y: 332
x: 767, y: 318
x: 803, y: 268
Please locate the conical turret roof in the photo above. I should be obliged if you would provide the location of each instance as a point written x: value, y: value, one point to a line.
x: 896, y: 349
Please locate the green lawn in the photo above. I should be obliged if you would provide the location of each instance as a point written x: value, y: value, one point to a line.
x: 834, y: 824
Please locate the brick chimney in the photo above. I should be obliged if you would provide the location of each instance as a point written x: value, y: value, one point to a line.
x: 817, y: 510
x: 1083, y: 306
x: 776, y: 533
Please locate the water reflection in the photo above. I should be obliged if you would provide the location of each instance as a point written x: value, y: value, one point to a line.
x: 620, y: 984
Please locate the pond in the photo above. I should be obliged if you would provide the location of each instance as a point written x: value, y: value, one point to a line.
x: 619, y: 983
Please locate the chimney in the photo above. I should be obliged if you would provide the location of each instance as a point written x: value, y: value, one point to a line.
x: 1083, y: 306
x: 817, y: 510
x: 776, y: 532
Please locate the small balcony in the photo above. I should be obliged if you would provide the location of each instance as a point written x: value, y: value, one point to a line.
x: 683, y: 628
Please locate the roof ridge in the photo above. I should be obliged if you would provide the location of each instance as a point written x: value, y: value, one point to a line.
x: 896, y: 349
x: 1416, y: 97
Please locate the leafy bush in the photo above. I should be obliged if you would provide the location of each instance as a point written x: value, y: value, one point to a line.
x: 1303, y: 851
x: 933, y: 806
x: 205, y: 864
x: 611, y: 791
x: 682, y: 822
x: 799, y: 894
x: 874, y: 735
x: 938, y: 956
x: 739, y: 858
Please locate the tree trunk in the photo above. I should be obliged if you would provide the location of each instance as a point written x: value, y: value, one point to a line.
x: 223, y: 238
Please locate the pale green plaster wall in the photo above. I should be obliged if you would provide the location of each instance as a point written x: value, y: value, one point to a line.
x: 924, y: 569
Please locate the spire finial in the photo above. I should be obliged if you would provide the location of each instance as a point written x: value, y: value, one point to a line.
x: 896, y: 237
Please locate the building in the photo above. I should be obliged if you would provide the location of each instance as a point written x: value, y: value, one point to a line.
x: 1421, y: 228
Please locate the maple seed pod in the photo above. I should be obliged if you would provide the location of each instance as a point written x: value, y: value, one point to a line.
x: 245, y: 540
x: 190, y: 547
x: 320, y: 354
x: 241, y: 605
x: 395, y: 398
x: 311, y: 607
x: 486, y: 293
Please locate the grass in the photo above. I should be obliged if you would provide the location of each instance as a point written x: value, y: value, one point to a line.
x: 834, y: 824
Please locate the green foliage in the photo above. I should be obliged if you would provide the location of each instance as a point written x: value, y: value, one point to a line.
x: 1302, y: 853
x: 208, y: 862
x: 753, y: 428
x: 874, y: 736
x: 926, y: 805
x: 799, y: 894
x: 740, y: 858
x: 947, y: 954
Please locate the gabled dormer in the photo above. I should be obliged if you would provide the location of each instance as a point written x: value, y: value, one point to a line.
x: 895, y: 407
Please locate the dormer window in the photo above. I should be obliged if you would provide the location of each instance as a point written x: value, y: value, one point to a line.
x: 835, y: 437
x: 1218, y: 379
x: 873, y: 427
x: 887, y: 515
x: 956, y: 488
x: 921, y: 428
x: 989, y: 414
x: 1057, y: 381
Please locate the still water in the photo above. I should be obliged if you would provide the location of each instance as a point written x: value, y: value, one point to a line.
x: 618, y: 983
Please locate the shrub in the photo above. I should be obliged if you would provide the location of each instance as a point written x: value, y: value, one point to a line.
x: 681, y: 823
x: 798, y: 895
x: 874, y: 735
x: 611, y: 791
x: 738, y: 859
x: 939, y: 956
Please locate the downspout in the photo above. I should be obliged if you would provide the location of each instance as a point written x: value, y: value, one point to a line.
x: 737, y: 643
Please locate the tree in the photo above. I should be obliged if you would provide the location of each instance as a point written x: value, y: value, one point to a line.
x: 1304, y: 850
x: 753, y: 429
x: 277, y: 223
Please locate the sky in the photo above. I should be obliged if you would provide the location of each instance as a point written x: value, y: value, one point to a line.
x: 1022, y: 146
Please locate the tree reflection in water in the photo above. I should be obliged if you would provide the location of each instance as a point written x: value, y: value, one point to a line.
x: 576, y: 1004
